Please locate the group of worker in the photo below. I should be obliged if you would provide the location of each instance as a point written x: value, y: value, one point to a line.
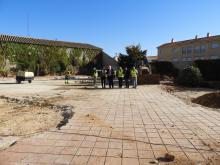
x: 110, y: 74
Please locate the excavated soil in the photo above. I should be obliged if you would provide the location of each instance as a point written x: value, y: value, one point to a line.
x: 203, y: 96
x: 19, y: 120
x: 211, y: 100
x: 30, y: 114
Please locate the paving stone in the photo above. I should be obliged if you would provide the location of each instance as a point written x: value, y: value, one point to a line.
x: 95, y: 160
x: 126, y: 127
x: 113, y: 161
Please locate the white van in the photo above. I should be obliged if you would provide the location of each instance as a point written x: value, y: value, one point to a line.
x: 24, y: 76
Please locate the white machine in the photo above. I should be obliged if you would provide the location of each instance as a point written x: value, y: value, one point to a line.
x: 24, y: 76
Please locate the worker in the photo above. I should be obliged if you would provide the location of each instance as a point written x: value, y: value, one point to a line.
x: 127, y: 77
x: 110, y: 76
x: 67, y: 75
x: 95, y: 76
x: 134, y: 74
x: 103, y: 77
x: 120, y: 75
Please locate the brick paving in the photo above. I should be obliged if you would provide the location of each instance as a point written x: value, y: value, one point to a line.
x: 124, y: 127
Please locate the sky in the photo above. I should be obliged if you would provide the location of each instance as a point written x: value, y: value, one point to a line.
x: 111, y: 24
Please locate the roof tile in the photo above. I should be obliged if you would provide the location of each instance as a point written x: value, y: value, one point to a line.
x: 45, y: 42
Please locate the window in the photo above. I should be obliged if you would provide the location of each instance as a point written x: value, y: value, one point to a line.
x: 203, y: 48
x: 215, y: 45
x: 189, y: 49
x: 197, y: 49
x: 184, y: 51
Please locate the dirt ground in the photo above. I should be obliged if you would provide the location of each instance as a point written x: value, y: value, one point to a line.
x: 18, y: 120
x: 197, y: 96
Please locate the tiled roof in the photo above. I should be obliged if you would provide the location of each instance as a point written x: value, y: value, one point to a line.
x: 190, y: 41
x: 45, y: 42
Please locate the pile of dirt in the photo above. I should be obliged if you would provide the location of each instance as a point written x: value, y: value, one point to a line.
x: 211, y: 100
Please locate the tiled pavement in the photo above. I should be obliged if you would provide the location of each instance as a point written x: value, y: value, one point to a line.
x: 124, y: 126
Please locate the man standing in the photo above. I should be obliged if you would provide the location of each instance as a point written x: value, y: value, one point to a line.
x: 127, y: 77
x: 103, y: 77
x: 120, y: 75
x: 110, y: 75
x: 95, y: 76
x: 134, y: 74
x: 67, y: 75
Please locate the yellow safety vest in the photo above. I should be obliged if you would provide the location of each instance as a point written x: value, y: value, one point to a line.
x: 120, y: 73
x: 134, y: 73
x: 95, y: 74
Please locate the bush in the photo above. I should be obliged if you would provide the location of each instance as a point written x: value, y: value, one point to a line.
x: 190, y: 77
x: 164, y: 68
x: 209, y: 69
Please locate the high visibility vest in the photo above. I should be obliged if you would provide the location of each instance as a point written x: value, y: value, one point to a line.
x: 134, y: 72
x: 95, y: 74
x: 120, y: 73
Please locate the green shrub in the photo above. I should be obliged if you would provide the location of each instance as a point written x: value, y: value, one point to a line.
x: 190, y: 77
x: 164, y: 68
x: 210, y: 69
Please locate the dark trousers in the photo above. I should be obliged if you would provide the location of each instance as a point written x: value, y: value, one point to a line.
x: 120, y: 81
x: 110, y: 82
x: 103, y: 81
x: 127, y: 82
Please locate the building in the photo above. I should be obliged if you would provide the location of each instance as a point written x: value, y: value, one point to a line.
x: 183, y: 53
x: 103, y: 60
x: 152, y: 58
x: 86, y: 53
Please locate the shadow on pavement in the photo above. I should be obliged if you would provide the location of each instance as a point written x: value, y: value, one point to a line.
x: 8, y: 83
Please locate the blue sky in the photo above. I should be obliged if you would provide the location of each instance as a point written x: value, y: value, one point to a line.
x: 112, y: 24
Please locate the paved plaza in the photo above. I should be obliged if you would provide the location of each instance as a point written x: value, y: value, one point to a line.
x: 123, y: 127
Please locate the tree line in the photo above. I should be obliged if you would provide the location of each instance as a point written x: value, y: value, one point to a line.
x: 44, y: 60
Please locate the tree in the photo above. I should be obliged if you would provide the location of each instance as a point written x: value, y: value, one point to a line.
x: 124, y: 61
x: 25, y: 57
x: 6, y: 56
x: 135, y: 57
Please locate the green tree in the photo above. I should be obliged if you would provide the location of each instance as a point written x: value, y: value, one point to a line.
x: 135, y: 57
x: 76, y: 57
x: 6, y: 56
x: 25, y: 57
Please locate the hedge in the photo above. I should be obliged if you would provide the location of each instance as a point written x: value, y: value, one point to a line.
x: 164, y: 68
x: 189, y: 77
x: 210, y: 69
